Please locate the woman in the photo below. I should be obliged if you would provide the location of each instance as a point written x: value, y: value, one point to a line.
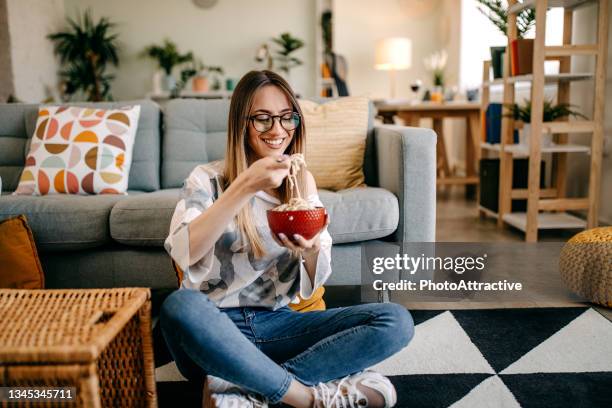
x: 235, y: 323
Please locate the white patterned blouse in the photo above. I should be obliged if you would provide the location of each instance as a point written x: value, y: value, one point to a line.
x: 229, y: 273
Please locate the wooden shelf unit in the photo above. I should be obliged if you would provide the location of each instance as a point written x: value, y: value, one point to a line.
x: 552, y: 201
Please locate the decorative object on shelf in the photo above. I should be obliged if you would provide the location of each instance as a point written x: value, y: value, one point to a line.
x: 472, y: 94
x: 435, y: 63
x: 205, y: 4
x: 167, y: 56
x: 334, y: 67
x: 230, y: 84
x: 393, y: 54
x: 263, y: 54
x: 497, y: 61
x: 551, y: 113
x: 497, y: 12
x: 414, y: 87
x: 203, y: 77
x: 86, y: 48
x: 284, y: 55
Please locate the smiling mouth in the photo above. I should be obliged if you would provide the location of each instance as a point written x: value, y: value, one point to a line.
x: 274, y: 142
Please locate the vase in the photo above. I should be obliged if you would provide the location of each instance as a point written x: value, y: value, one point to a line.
x: 199, y: 84
x: 158, y: 83
x: 525, y: 136
x: 169, y: 83
x: 497, y: 61
x: 437, y: 94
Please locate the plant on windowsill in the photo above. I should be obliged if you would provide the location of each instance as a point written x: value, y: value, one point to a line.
x: 86, y: 48
x: 551, y: 113
x: 522, y: 49
x: 167, y: 56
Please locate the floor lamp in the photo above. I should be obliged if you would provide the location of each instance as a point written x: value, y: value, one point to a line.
x: 393, y: 54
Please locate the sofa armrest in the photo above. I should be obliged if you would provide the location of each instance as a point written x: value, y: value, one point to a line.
x: 406, y: 164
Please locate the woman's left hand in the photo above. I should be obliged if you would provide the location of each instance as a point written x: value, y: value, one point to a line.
x: 300, y: 244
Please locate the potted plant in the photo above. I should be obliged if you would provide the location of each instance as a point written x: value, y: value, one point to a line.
x: 167, y: 56
x: 288, y: 45
x: 199, y: 75
x: 522, y: 49
x: 436, y: 63
x: 522, y: 113
x: 86, y: 48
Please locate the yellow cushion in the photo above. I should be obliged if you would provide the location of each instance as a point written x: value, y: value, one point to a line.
x: 20, y: 264
x: 315, y: 302
x: 336, y: 134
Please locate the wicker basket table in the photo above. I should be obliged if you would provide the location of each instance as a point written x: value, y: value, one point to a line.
x: 96, y: 340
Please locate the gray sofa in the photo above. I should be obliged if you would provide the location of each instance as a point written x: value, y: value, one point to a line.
x: 110, y: 241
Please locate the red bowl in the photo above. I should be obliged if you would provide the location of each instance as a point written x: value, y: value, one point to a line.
x: 306, y: 223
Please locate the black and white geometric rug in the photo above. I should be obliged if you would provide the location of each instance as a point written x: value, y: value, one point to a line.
x: 536, y: 357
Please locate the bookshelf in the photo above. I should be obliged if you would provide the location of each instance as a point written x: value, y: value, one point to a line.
x: 549, y: 208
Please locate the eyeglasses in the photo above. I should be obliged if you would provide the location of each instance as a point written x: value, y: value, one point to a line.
x: 263, y: 122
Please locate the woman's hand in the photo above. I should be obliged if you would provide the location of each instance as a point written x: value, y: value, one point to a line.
x: 266, y: 173
x: 298, y: 244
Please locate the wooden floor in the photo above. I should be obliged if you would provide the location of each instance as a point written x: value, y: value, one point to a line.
x: 458, y: 221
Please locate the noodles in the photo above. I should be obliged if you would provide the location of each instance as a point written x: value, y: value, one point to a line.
x: 295, y: 203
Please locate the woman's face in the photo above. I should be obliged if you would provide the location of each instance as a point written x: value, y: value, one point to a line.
x: 269, y: 100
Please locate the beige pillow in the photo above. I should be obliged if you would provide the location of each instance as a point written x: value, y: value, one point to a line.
x: 336, y: 134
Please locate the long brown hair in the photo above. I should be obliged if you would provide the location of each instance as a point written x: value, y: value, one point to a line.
x: 239, y: 155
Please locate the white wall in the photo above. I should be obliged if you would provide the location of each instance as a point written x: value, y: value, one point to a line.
x: 582, y: 96
x: 34, y: 66
x: 227, y: 35
x: 359, y: 24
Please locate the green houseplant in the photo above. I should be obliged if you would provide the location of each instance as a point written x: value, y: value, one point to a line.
x: 167, y: 56
x: 497, y: 12
x: 86, y: 48
x: 551, y: 112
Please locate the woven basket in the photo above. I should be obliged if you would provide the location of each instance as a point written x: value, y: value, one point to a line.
x: 586, y: 265
x: 96, y: 340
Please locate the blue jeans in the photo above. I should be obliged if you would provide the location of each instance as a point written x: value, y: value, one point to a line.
x: 263, y: 350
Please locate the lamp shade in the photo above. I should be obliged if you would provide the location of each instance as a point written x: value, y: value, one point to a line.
x: 393, y: 53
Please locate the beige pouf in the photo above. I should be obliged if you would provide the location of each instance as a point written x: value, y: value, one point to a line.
x: 586, y: 265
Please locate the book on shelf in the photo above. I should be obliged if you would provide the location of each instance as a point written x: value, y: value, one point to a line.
x: 521, y: 56
x: 493, y: 118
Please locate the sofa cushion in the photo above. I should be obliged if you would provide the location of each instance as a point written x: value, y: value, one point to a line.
x: 336, y: 126
x: 360, y: 214
x: 64, y: 222
x: 78, y: 150
x: 356, y: 215
x: 18, y: 122
x: 144, y: 220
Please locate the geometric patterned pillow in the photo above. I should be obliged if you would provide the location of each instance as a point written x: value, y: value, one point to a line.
x: 78, y: 150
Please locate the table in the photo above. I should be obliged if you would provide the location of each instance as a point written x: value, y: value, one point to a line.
x: 412, y: 113
x: 97, y: 342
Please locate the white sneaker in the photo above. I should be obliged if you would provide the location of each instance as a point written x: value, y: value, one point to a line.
x: 219, y: 385
x: 234, y: 400
x: 344, y: 393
